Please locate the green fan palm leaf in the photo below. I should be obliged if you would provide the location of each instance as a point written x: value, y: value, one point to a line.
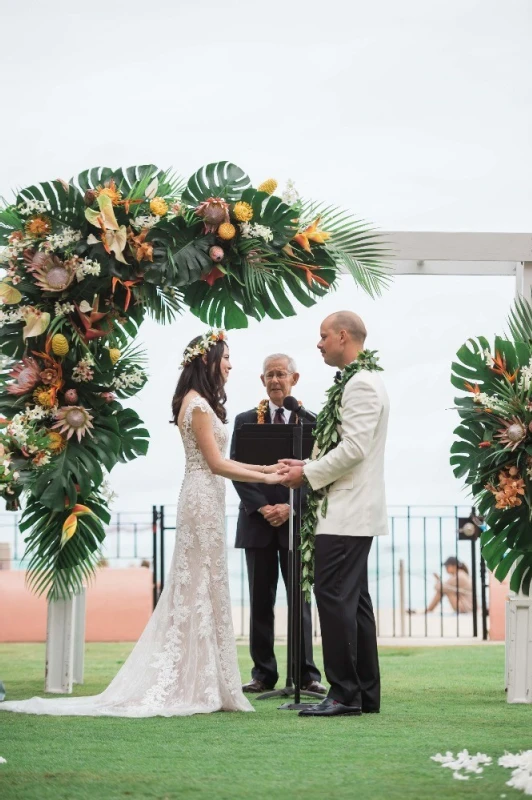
x: 354, y: 246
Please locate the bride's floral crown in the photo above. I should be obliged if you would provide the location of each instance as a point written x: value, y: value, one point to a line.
x: 203, y: 346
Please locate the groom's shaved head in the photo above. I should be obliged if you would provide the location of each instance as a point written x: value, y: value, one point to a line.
x: 349, y: 322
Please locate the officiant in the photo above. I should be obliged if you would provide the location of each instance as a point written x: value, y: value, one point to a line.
x: 262, y: 530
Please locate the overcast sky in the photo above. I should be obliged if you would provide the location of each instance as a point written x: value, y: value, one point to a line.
x: 414, y: 115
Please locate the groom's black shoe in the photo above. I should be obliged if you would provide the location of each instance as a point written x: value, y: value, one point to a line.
x: 331, y: 708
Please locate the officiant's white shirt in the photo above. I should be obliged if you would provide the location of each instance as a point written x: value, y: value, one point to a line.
x: 274, y: 408
x: 355, y: 468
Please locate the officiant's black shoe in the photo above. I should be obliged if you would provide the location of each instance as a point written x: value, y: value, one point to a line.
x: 314, y: 686
x: 256, y: 687
x: 331, y: 708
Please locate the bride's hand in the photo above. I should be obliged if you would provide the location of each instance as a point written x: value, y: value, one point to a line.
x: 272, y: 478
x: 269, y: 468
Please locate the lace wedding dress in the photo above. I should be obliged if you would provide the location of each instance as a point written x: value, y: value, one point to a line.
x: 185, y: 661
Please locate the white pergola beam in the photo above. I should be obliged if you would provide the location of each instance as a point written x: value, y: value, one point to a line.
x: 454, y: 246
x: 455, y: 267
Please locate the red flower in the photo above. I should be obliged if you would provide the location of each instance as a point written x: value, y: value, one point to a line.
x: 214, y: 275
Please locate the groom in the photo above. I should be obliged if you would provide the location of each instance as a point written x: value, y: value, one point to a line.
x: 356, y: 512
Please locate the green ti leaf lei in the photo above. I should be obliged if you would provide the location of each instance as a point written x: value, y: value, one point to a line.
x: 326, y: 439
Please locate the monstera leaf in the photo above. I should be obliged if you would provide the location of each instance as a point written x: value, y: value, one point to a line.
x: 132, y: 182
x: 220, y: 179
x: 62, y: 570
x: 270, y: 210
x: 80, y: 465
x: 180, y: 253
x: 134, y: 439
x: 65, y: 201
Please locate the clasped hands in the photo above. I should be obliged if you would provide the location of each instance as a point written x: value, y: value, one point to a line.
x: 288, y: 472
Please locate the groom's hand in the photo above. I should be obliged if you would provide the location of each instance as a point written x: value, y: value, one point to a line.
x: 291, y: 462
x: 292, y: 476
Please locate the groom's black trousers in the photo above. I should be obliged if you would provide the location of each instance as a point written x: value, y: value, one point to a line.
x: 348, y: 631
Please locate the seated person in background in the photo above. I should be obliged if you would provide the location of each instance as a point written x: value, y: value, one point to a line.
x: 457, y: 588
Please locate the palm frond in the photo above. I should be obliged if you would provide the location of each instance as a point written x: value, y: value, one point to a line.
x: 354, y: 245
x: 520, y: 320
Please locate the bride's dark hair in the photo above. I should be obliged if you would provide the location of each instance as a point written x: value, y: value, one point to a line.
x: 204, y: 378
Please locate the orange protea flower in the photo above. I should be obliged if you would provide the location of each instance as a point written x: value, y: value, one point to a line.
x: 111, y: 191
x: 473, y: 389
x: 38, y: 227
x: 56, y: 442
x: 512, y: 433
x: 44, y: 396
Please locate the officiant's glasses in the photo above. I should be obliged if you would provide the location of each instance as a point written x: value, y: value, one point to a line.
x: 280, y: 375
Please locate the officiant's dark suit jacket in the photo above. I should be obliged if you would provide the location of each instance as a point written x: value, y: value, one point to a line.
x: 252, y: 529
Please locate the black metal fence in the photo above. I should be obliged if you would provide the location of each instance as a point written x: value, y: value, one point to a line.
x: 401, y: 567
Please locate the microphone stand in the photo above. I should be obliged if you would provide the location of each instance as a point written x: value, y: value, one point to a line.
x: 292, y: 686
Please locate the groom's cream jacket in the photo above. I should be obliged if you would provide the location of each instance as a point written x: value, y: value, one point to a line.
x: 355, y: 468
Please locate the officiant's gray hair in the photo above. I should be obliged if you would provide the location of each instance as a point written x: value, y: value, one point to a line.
x: 292, y: 366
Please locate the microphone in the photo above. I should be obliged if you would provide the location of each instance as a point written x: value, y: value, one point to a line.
x: 291, y: 404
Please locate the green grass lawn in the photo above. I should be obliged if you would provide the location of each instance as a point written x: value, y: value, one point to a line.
x: 434, y: 699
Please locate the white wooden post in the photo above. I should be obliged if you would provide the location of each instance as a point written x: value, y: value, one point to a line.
x: 519, y: 648
x: 519, y: 606
x: 65, y: 634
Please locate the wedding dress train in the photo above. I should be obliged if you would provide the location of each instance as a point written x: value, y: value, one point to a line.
x: 185, y: 661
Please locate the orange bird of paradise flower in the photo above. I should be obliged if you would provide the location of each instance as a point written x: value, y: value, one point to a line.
x: 127, y: 286
x: 499, y: 368
x: 311, y: 234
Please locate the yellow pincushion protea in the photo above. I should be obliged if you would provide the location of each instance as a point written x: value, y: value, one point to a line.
x: 114, y: 355
x: 159, y: 206
x: 268, y: 186
x: 56, y: 442
x: 38, y: 227
x: 227, y: 231
x: 243, y: 211
x: 59, y: 345
x: 44, y: 397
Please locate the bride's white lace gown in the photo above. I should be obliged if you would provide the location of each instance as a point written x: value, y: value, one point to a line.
x: 185, y: 662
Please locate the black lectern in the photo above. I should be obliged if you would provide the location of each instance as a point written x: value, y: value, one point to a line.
x: 266, y: 444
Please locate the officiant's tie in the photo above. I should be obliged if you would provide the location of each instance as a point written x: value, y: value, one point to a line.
x: 279, y: 416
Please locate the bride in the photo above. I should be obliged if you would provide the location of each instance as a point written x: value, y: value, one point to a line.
x: 185, y: 661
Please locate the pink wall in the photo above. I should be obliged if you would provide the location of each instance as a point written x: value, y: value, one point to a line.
x: 497, y: 607
x: 119, y: 604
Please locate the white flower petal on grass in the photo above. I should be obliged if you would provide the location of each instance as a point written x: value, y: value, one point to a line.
x: 2, y: 760
x: 464, y: 762
x: 521, y: 764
